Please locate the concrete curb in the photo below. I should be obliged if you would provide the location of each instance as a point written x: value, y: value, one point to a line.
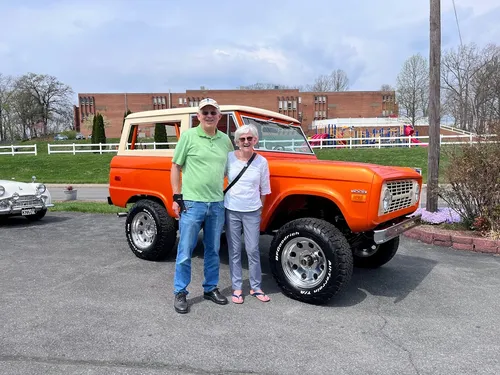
x: 457, y: 241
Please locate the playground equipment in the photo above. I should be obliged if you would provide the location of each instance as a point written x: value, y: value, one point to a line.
x: 409, y: 131
x: 365, y: 131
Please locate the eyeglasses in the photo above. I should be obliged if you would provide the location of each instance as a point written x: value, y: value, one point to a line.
x: 205, y: 113
x: 249, y: 139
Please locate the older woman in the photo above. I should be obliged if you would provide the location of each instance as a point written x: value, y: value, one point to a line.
x: 243, y: 202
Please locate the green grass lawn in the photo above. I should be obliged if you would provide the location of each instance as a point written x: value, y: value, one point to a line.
x: 94, y: 168
x: 87, y: 207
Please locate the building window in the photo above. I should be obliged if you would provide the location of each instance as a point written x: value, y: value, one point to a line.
x: 294, y: 104
x: 180, y: 101
x: 289, y: 105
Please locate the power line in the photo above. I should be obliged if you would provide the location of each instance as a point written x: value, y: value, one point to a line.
x: 458, y: 24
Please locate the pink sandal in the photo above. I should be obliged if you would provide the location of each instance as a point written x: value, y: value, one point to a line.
x: 237, y: 298
x: 261, y: 296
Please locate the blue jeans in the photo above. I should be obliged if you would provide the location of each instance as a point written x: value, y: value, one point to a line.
x: 211, y: 215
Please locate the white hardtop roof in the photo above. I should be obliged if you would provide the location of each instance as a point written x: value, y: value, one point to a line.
x: 223, y: 108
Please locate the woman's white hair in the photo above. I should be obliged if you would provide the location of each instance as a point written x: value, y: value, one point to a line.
x: 244, y: 130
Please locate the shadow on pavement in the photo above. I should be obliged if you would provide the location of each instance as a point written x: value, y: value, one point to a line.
x: 396, y: 279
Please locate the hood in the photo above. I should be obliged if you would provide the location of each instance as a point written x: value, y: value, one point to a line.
x: 338, y: 170
x: 22, y: 188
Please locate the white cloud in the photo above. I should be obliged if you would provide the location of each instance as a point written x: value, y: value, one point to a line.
x: 153, y: 45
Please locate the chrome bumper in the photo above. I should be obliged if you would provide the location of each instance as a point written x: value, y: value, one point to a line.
x: 386, y: 234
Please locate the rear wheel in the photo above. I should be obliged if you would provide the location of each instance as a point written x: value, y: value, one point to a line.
x: 151, y: 232
x: 310, y: 260
x: 370, y: 255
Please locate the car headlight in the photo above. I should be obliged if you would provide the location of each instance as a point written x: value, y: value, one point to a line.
x: 15, y: 196
x: 416, y: 192
x: 387, y: 199
x: 41, y: 188
x: 2, y: 191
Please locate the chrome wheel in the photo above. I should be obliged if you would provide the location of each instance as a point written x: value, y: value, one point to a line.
x: 143, y: 230
x: 303, y: 263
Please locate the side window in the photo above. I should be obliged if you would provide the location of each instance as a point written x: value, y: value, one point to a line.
x: 153, y: 136
x: 227, y: 124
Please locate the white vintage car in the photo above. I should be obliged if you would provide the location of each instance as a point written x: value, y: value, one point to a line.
x: 30, y: 200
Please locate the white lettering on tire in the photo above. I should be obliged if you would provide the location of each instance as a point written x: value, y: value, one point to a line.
x: 278, y: 248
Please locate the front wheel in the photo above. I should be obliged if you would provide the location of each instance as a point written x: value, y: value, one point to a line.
x: 151, y: 232
x: 310, y: 260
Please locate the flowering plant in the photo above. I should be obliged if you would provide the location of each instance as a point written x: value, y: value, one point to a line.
x: 69, y: 187
x: 442, y: 215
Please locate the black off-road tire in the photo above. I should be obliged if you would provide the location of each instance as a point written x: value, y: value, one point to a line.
x: 310, y: 260
x: 151, y: 232
x: 38, y: 216
x: 382, y: 254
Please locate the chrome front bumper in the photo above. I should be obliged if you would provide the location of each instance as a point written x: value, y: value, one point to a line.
x: 383, y: 235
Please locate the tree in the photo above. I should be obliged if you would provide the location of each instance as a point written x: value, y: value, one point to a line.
x: 26, y: 113
x: 471, y: 82
x: 6, y: 92
x: 413, y: 88
x: 161, y: 135
x: 53, y: 98
x: 335, y: 81
x: 101, y: 133
x: 386, y: 87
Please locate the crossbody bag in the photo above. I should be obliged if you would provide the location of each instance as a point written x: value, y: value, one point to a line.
x: 241, y: 173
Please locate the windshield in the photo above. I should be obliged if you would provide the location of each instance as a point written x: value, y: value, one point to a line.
x: 279, y: 137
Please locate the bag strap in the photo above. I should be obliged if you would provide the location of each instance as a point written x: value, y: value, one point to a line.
x: 241, y: 173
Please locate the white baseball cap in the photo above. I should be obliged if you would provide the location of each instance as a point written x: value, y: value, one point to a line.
x: 208, y: 101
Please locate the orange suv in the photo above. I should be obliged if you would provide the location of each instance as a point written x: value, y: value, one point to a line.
x: 325, y: 216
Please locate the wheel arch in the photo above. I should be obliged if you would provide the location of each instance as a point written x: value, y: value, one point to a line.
x: 300, y: 205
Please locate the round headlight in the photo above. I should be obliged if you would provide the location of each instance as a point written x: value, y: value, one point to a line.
x: 41, y: 188
x: 387, y: 200
x: 15, y: 196
x: 2, y: 191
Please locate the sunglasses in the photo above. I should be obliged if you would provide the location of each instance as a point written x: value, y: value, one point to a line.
x: 249, y: 139
x: 206, y: 113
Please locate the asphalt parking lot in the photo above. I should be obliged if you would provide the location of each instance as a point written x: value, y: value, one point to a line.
x: 75, y: 300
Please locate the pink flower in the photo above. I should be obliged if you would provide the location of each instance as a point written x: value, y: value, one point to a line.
x: 442, y: 215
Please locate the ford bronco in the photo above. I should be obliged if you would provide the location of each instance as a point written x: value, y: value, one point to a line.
x: 326, y: 217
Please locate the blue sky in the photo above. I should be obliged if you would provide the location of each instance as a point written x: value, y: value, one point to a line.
x: 156, y: 46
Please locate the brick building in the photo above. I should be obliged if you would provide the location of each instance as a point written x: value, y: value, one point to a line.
x: 304, y: 106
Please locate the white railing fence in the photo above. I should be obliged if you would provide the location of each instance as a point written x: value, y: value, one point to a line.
x: 77, y: 148
x: 318, y: 143
x: 19, y: 150
x: 101, y: 148
x: 379, y: 142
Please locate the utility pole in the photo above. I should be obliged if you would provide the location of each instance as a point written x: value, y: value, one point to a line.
x: 434, y: 106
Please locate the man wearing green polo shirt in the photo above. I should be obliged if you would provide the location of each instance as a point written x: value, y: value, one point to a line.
x: 201, y: 155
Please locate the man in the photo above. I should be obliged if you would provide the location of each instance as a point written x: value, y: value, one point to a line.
x: 201, y: 155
